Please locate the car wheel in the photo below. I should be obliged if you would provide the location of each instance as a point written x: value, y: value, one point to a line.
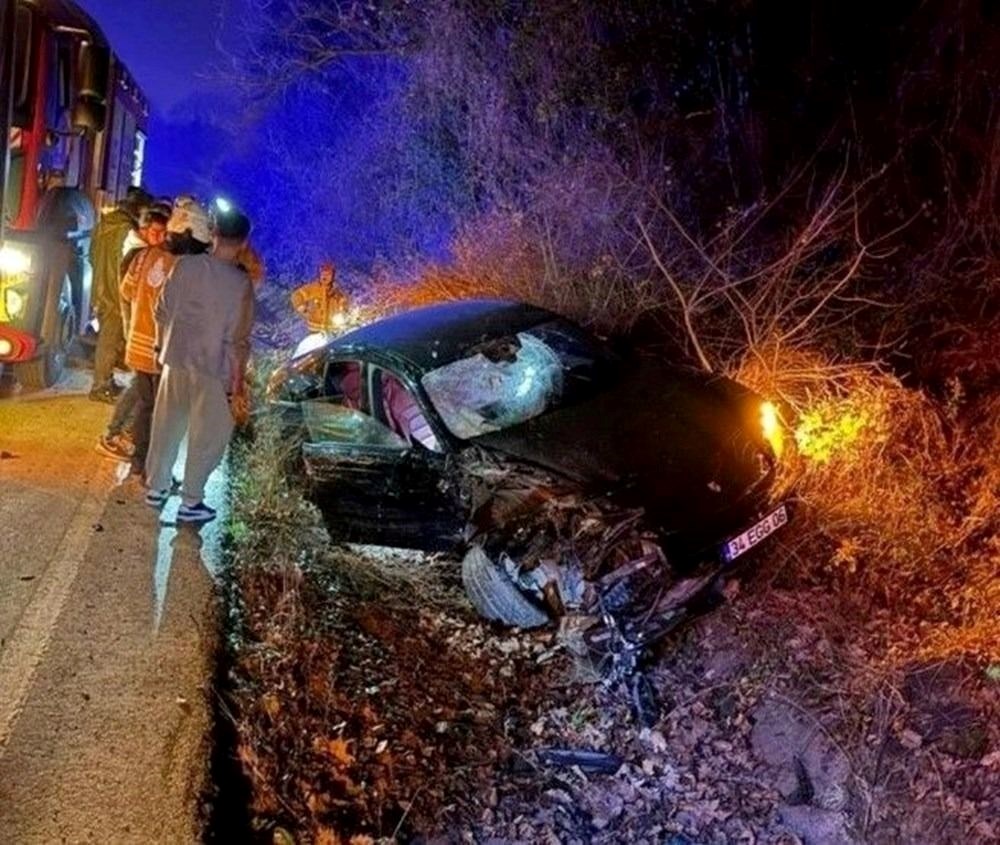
x: 495, y: 596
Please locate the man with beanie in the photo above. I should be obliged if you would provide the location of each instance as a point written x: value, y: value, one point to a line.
x: 204, y: 318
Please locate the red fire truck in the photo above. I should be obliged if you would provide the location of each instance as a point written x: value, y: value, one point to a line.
x: 74, y: 122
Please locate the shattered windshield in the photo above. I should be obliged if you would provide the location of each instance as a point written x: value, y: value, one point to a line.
x: 509, y: 380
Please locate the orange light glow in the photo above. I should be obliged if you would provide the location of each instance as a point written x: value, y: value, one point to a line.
x: 770, y: 424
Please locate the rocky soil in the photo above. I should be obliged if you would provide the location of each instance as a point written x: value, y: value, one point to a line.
x: 782, y: 718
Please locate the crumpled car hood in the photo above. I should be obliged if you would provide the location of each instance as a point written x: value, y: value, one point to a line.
x: 680, y: 444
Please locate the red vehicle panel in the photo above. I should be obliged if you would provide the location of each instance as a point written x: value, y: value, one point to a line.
x: 74, y: 143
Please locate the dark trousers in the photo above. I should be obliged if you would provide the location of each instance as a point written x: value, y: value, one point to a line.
x: 146, y: 385
x: 110, y: 349
x: 124, y: 410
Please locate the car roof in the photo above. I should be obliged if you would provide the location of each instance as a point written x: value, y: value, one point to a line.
x: 435, y: 335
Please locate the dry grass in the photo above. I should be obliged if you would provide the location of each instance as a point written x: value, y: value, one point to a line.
x: 398, y: 579
x: 899, y: 494
x: 365, y: 700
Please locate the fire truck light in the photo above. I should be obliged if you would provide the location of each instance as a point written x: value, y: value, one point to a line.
x: 13, y: 302
x: 6, y: 347
x: 14, y: 261
x: 223, y: 205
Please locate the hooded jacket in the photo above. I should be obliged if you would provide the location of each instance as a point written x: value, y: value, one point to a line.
x: 106, y: 258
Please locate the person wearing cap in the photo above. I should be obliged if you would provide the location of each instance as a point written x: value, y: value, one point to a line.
x: 147, y: 269
x: 151, y: 230
x: 190, y: 225
x: 106, y: 259
x: 204, y: 319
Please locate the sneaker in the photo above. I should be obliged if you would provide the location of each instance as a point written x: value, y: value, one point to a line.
x: 157, y: 498
x: 114, y: 447
x: 199, y: 513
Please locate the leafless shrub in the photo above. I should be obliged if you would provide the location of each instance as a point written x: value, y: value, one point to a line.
x: 759, y: 287
x: 501, y: 257
x: 572, y: 208
x: 897, y: 500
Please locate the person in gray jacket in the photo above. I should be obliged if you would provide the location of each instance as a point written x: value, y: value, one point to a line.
x: 204, y: 318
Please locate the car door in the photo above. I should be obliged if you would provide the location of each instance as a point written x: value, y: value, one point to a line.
x: 371, y: 483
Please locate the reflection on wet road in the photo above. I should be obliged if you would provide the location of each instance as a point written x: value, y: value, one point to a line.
x: 177, y: 543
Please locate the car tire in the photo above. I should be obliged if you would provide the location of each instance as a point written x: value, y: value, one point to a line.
x: 495, y: 596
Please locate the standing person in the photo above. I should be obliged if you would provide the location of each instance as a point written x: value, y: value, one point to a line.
x: 204, y: 319
x: 252, y: 264
x: 106, y: 255
x: 185, y: 232
x: 321, y: 303
x: 151, y: 231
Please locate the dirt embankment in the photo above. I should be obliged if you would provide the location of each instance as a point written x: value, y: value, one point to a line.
x: 777, y: 724
x: 370, y: 704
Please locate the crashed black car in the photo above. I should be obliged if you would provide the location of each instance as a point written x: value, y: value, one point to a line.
x: 578, y: 480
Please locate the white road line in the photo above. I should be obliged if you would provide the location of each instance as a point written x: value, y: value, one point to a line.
x: 23, y: 652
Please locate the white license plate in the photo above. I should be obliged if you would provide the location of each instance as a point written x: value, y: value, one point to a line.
x: 742, y: 543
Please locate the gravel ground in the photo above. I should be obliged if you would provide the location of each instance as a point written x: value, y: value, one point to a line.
x: 779, y: 722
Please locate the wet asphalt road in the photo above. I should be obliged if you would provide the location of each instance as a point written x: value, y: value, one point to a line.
x: 106, y: 633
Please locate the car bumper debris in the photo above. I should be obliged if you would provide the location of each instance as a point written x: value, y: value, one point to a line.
x: 542, y: 550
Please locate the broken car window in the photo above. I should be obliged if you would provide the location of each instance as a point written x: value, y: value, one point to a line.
x: 333, y: 414
x: 337, y: 425
x: 505, y: 381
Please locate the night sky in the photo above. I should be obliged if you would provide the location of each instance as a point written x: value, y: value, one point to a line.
x: 170, y: 45
x: 172, y: 48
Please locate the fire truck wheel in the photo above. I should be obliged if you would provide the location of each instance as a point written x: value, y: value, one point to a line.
x: 42, y: 371
x: 47, y: 367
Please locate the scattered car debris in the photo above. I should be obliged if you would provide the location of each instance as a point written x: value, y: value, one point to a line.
x: 598, y: 762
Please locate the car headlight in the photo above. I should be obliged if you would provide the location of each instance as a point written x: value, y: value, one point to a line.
x: 14, y: 302
x: 770, y: 426
x: 14, y: 261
